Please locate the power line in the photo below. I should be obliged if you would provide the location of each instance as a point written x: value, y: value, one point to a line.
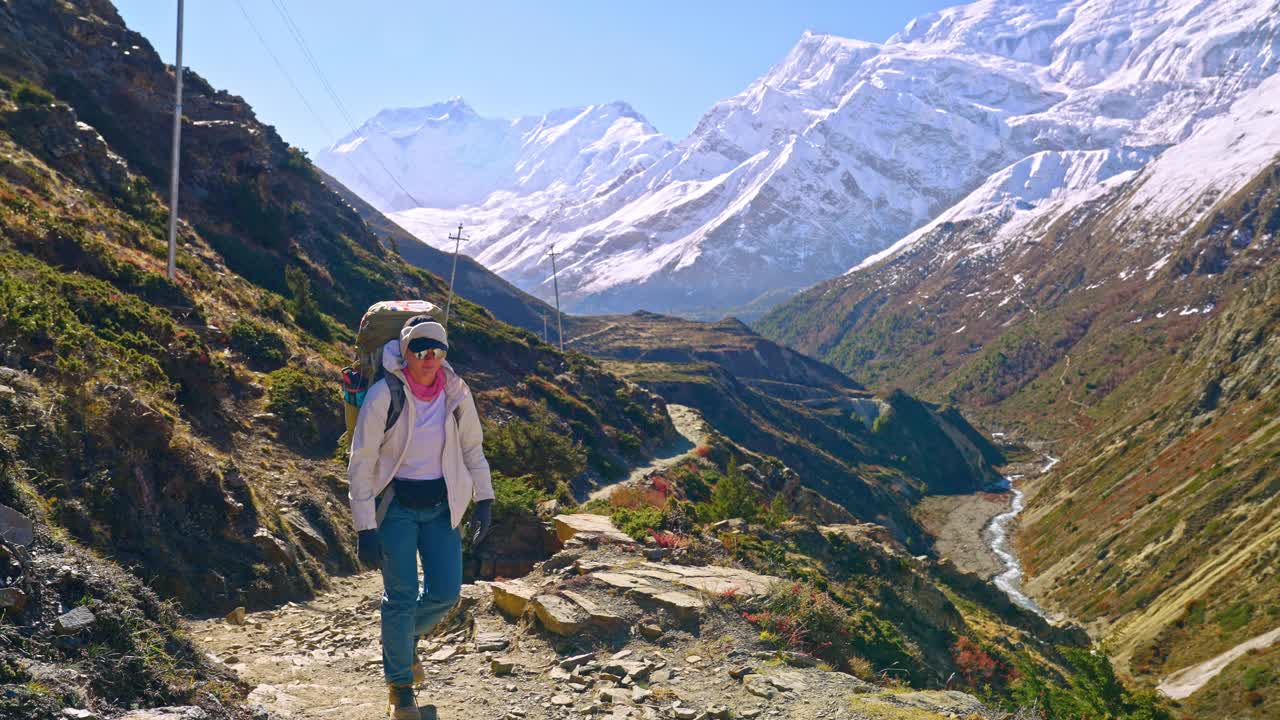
x: 298, y: 37
x: 301, y: 96
x: 280, y: 66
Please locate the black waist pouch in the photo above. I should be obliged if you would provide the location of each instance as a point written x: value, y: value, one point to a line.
x: 419, y: 494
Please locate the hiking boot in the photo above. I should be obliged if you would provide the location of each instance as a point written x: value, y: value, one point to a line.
x: 419, y: 673
x: 401, y: 703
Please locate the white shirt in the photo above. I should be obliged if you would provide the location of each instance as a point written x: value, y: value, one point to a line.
x: 422, y: 460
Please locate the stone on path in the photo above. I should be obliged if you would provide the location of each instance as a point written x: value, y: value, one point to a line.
x: 487, y: 641
x: 680, y: 604
x: 512, y: 597
x: 757, y: 685
x: 589, y: 527
x: 237, y: 616
x: 558, y: 615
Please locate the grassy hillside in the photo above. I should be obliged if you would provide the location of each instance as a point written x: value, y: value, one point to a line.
x: 1144, y: 353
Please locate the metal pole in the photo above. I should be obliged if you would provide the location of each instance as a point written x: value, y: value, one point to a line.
x: 452, y: 274
x: 556, y: 283
x: 544, y: 326
x: 177, y: 143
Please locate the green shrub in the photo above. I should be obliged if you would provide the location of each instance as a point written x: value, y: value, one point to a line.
x: 733, y: 497
x: 1235, y: 617
x: 28, y: 95
x: 521, y: 448
x: 1255, y: 677
x: 261, y: 345
x: 306, y: 311
x: 637, y: 522
x: 308, y: 407
x: 516, y: 496
x: 1094, y: 691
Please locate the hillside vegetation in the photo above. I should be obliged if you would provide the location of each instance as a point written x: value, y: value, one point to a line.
x: 875, y: 456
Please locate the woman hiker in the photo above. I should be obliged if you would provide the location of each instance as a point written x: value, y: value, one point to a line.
x: 411, y: 482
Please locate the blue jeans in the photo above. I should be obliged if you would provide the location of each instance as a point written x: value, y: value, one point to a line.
x: 409, y: 610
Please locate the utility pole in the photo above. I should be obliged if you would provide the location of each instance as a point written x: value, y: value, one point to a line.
x: 556, y: 283
x: 457, y: 242
x: 177, y: 142
x: 544, y: 325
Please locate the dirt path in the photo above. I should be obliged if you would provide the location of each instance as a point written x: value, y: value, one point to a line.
x: 322, y: 659
x: 1186, y: 681
x: 692, y: 429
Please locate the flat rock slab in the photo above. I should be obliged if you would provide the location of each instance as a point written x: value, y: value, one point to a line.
x: 621, y: 580
x: 597, y: 615
x: 559, y: 615
x: 512, y: 597
x: 681, y: 604
x: 588, y: 526
x: 713, y: 579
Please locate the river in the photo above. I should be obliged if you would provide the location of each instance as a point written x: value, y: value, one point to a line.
x: 998, y: 538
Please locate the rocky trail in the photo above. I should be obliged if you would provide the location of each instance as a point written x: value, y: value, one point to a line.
x: 606, y: 628
x: 692, y: 430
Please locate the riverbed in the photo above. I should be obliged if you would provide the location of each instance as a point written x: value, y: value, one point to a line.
x: 975, y: 531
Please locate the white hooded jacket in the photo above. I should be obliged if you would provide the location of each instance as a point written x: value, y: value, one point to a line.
x: 376, y: 455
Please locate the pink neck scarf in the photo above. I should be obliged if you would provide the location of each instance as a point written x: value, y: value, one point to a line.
x: 426, y: 393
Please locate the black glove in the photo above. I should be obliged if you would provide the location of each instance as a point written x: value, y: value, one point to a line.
x: 369, y: 548
x: 481, y: 519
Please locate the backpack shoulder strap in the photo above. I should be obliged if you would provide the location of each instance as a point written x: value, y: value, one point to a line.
x: 396, y: 387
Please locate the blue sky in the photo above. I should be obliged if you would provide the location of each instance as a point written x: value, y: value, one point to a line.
x: 670, y: 60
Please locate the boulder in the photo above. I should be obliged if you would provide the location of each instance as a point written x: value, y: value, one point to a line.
x: 307, y: 533
x: 758, y: 686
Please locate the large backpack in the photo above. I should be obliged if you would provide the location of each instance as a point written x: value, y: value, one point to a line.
x: 381, y: 322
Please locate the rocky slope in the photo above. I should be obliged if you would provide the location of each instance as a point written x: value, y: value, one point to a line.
x: 1130, y: 327
x: 844, y: 147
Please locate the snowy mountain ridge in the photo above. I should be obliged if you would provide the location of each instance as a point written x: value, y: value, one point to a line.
x: 845, y: 147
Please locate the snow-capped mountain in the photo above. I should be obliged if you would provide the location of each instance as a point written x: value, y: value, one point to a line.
x: 447, y: 156
x: 845, y: 147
